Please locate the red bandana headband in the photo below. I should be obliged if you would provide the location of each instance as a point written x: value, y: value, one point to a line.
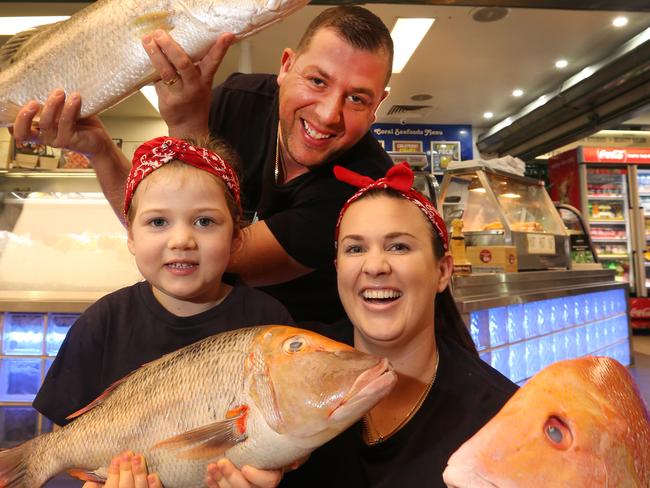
x: 157, y: 152
x: 399, y: 178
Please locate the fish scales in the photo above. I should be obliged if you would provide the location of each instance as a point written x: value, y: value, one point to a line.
x: 131, y: 424
x: 98, y: 51
x: 201, y: 386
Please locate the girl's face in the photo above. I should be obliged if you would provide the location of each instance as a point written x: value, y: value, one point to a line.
x: 388, y: 275
x: 182, y: 237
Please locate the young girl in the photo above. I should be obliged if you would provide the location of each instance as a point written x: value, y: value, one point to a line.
x: 182, y: 205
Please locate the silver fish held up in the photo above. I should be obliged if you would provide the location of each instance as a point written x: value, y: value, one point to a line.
x: 263, y: 396
x: 98, y: 50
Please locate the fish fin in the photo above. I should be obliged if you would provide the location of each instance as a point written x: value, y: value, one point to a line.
x: 99, y: 400
x: 12, y: 466
x: 84, y: 475
x: 17, y: 44
x: 147, y: 23
x: 212, y: 439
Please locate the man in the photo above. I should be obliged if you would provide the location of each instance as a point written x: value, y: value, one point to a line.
x: 289, y: 131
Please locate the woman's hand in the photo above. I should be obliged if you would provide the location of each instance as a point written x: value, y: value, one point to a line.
x: 59, y: 125
x: 128, y: 470
x: 224, y: 474
x: 185, y: 88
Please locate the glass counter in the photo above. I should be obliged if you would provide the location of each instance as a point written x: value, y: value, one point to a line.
x: 499, y: 208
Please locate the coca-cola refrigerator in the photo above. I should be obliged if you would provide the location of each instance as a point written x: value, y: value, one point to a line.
x: 611, y: 187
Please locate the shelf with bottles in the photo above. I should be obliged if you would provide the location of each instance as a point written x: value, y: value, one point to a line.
x: 612, y: 211
x: 607, y: 257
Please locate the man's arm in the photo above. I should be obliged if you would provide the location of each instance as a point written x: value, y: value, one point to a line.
x: 260, y: 260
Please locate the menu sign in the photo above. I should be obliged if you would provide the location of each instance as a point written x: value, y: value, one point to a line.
x: 627, y: 155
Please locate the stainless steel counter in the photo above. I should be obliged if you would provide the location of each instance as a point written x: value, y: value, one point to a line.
x: 481, y: 291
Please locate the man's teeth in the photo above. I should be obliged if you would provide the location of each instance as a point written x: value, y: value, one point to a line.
x: 180, y: 265
x: 381, y: 294
x: 313, y: 132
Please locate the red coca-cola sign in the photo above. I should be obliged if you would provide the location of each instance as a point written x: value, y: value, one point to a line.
x: 640, y: 313
x: 485, y: 256
x: 628, y: 155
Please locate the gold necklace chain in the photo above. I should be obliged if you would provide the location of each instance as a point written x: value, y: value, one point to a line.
x: 369, y: 426
x: 276, y: 171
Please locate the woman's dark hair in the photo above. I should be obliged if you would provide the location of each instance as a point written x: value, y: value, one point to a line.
x: 447, y: 319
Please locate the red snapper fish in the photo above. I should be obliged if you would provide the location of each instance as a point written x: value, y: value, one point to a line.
x: 579, y: 423
x: 98, y: 50
x: 263, y: 396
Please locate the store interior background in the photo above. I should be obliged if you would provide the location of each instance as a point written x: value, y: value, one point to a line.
x: 466, y: 66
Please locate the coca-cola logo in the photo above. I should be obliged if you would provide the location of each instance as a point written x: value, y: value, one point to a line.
x: 640, y: 313
x: 485, y: 256
x: 617, y: 154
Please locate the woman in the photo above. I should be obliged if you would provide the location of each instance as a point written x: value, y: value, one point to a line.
x: 393, y: 270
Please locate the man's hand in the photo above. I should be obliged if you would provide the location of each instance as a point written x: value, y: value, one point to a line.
x: 59, y: 125
x: 185, y: 89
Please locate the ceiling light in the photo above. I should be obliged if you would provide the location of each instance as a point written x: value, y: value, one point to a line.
x: 517, y: 93
x: 488, y: 115
x: 13, y: 25
x: 561, y: 63
x: 149, y: 92
x: 407, y: 35
x: 619, y: 21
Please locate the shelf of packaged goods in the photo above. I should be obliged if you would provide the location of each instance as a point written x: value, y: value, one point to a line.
x: 607, y: 221
x: 606, y: 197
x: 644, y: 193
x: 613, y: 256
x: 605, y: 239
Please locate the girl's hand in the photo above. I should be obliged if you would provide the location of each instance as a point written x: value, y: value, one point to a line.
x: 224, y: 474
x: 128, y: 470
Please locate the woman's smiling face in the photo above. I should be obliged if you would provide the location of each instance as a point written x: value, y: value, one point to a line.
x: 388, y: 275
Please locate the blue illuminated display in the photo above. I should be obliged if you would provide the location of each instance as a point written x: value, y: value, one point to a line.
x: 521, y: 339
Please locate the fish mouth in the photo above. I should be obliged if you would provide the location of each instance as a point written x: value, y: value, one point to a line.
x: 465, y: 477
x: 367, y: 390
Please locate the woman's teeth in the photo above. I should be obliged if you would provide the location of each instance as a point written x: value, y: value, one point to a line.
x: 313, y: 132
x: 381, y: 294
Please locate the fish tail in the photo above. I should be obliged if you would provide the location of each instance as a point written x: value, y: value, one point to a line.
x: 8, y: 113
x: 16, y: 469
x: 13, y: 467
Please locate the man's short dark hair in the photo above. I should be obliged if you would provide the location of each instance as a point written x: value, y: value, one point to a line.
x: 358, y: 26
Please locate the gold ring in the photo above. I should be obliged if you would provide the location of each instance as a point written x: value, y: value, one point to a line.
x: 172, y: 81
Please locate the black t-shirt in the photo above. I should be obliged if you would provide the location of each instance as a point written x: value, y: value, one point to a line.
x: 466, y: 394
x: 129, y: 327
x: 301, y: 214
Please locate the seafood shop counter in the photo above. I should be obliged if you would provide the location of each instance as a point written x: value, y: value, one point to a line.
x: 522, y: 322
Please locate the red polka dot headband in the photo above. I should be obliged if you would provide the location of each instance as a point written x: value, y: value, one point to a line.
x: 157, y: 152
x: 399, y: 178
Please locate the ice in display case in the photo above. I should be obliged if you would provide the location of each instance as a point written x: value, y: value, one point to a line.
x: 500, y: 208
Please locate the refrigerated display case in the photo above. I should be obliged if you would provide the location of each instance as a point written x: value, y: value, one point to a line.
x: 504, y: 209
x: 61, y: 249
x: 644, y: 197
x: 606, y: 185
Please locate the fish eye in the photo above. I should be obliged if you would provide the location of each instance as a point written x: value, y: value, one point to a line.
x: 558, y: 433
x: 294, y: 344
